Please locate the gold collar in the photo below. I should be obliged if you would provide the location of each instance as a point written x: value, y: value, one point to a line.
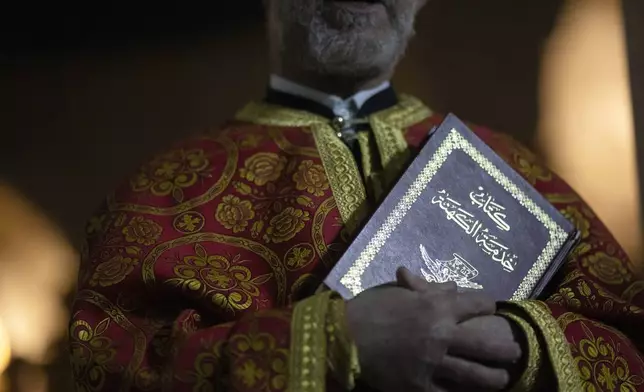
x: 407, y: 112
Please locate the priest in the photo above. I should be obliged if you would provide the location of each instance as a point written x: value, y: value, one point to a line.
x: 201, y: 271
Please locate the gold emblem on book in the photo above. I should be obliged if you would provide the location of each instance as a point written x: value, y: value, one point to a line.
x: 456, y: 270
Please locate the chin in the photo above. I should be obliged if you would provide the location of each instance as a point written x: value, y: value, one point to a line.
x: 353, y: 69
x: 356, y: 60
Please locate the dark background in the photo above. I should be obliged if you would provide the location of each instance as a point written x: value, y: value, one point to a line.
x: 61, y: 28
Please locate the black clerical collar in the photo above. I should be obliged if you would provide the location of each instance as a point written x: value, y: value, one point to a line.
x: 279, y: 94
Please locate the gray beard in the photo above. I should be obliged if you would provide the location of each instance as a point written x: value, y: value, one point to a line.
x: 311, y: 44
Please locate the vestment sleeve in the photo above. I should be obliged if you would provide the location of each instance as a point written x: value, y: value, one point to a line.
x: 115, y: 348
x: 185, y: 320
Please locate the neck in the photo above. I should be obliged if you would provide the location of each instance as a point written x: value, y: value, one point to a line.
x: 341, y: 86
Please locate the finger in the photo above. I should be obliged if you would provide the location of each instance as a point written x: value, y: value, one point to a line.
x: 486, y: 338
x: 472, y: 374
x: 408, y: 280
x: 485, y: 349
x: 469, y: 304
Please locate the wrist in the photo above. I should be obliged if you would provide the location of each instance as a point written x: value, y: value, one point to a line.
x: 342, y: 351
x: 517, y: 369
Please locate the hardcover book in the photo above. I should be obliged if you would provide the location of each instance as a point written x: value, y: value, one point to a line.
x: 459, y: 213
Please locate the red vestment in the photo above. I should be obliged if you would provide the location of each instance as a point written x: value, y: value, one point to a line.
x: 200, y: 270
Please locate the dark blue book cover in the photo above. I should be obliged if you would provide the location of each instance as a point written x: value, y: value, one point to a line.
x: 459, y: 213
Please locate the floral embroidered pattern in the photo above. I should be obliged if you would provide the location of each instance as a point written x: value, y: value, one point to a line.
x: 581, y: 249
x: 142, y: 231
x: 532, y: 171
x: 101, y: 224
x: 113, y: 271
x: 578, y: 219
x: 228, y: 284
x: 96, y: 224
x: 312, y: 178
x: 566, y: 296
x: 148, y: 379
x: 172, y: 172
x: 189, y: 222
x: 234, y: 214
x: 583, y: 288
x: 299, y: 256
x: 259, y: 364
x: 524, y: 160
x: 205, y: 369
x: 251, y: 140
x: 92, y: 354
x: 274, y: 196
x: 286, y: 225
x: 263, y: 168
x: 606, y: 268
x: 601, y: 365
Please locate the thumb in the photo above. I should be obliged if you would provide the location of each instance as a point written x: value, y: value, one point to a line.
x: 405, y: 278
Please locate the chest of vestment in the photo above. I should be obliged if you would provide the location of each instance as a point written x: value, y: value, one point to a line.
x: 247, y: 218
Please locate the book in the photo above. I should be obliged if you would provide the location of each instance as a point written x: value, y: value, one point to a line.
x: 459, y: 213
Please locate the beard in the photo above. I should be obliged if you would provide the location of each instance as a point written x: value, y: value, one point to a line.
x: 334, y: 41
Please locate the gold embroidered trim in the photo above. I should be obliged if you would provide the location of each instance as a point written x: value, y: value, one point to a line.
x: 319, y: 339
x: 371, y: 176
x: 528, y: 380
x: 392, y: 147
x: 388, y: 126
x: 352, y: 280
x: 342, y: 352
x: 409, y: 111
x: 119, y: 318
x: 561, y: 359
x: 317, y: 231
x: 367, y: 158
x: 307, y: 363
x: 272, y: 115
x: 344, y: 176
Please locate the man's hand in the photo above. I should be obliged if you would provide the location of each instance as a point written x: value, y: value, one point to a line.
x: 484, y: 356
x: 483, y: 353
x: 403, y: 335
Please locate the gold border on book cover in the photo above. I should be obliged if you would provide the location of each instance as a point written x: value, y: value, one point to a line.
x: 352, y: 280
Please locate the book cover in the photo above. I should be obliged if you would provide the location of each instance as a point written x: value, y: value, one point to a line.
x: 459, y: 213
